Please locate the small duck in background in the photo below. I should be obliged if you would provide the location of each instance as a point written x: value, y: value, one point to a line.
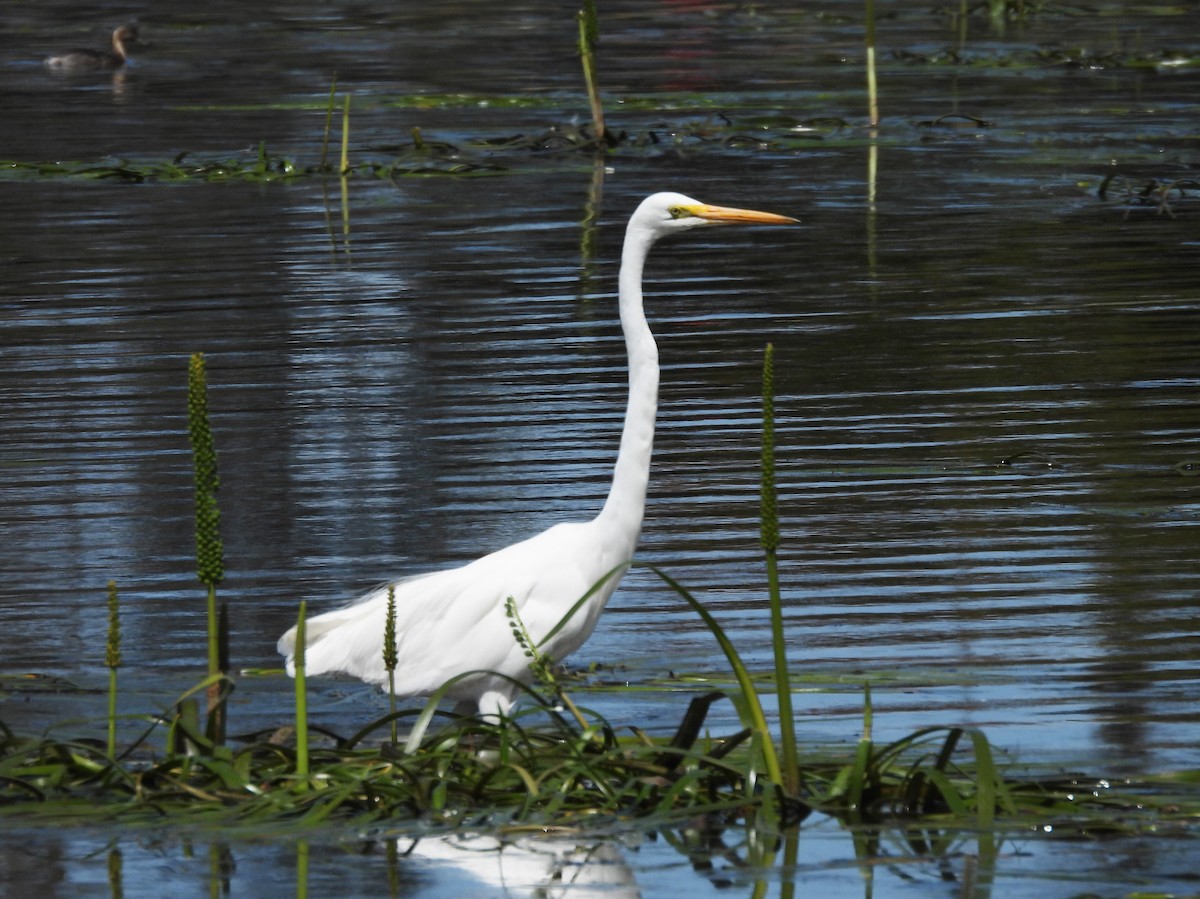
x: 91, y: 60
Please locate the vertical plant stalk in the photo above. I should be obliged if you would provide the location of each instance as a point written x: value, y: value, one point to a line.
x: 393, y: 868
x: 344, y: 171
x: 210, y: 563
x: 116, y: 874
x: 219, y: 863
x: 112, y: 659
x: 390, y: 658
x: 872, y: 83
x: 872, y: 208
x: 218, y: 692
x: 589, y: 234
x: 328, y: 124
x: 301, y: 688
x: 873, y: 146
x: 345, y: 185
x: 791, y: 857
x: 302, y: 869
x: 589, y: 36
x: 344, y: 167
x: 770, y: 543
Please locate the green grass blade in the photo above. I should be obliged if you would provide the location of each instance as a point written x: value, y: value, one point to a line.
x: 950, y: 795
x: 992, y: 791
x: 753, y: 703
x: 344, y: 167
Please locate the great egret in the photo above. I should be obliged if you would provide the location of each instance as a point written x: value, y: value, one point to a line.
x: 453, y: 621
x: 82, y: 60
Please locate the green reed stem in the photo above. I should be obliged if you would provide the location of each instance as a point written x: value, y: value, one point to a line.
x: 328, y: 123
x: 218, y: 863
x: 112, y: 658
x: 791, y: 858
x: 770, y: 545
x: 589, y: 35
x: 302, y: 869
x: 345, y: 165
x: 301, y: 689
x: 116, y: 875
x: 390, y: 658
x: 872, y: 83
x: 214, y: 638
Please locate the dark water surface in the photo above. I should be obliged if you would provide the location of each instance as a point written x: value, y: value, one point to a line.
x: 988, y: 377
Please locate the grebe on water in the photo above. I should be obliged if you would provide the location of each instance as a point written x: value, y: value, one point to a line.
x: 81, y: 60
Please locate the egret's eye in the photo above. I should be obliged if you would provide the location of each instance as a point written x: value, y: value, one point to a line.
x: 679, y: 212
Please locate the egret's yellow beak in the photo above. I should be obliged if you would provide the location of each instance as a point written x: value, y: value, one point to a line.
x: 731, y: 215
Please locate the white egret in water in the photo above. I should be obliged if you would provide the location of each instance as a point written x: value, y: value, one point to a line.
x: 452, y: 622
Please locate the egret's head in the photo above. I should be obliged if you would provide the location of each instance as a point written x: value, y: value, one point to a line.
x: 665, y: 213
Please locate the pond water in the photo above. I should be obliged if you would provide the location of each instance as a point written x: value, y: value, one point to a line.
x: 987, y: 378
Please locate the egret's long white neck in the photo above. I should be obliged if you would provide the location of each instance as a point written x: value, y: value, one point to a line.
x: 626, y: 502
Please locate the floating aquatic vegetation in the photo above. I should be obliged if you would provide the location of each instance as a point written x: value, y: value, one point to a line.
x: 558, y: 763
x: 425, y: 155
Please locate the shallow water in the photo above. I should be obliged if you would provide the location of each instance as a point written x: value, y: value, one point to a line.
x: 986, y: 375
x: 675, y: 864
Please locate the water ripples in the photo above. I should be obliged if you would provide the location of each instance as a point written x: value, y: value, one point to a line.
x: 986, y: 389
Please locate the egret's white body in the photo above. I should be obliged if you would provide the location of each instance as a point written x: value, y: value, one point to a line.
x: 452, y: 622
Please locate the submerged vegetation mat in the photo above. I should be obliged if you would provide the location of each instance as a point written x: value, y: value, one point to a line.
x: 672, y: 123
x: 541, y: 767
x: 1162, y: 187
x: 670, y: 127
x: 705, y: 129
